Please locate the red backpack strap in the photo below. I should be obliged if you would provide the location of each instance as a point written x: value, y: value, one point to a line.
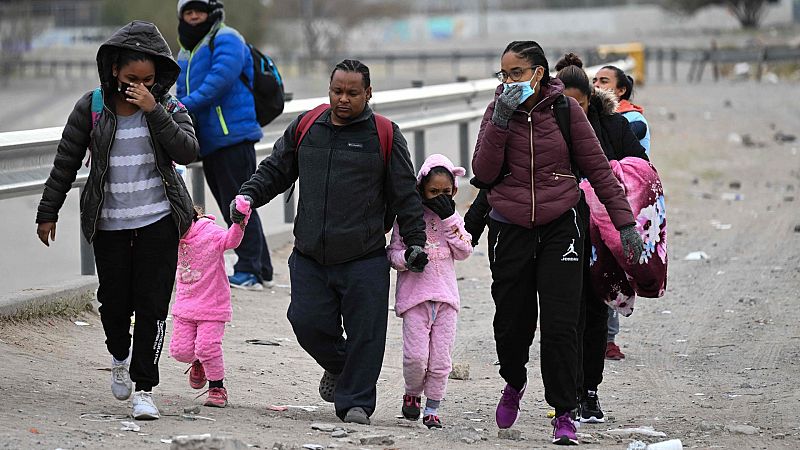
x: 386, y: 136
x: 306, y: 121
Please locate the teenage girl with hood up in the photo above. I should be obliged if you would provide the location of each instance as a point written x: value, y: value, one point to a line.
x: 134, y: 207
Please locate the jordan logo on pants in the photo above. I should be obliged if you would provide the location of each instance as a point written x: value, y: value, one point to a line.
x: 570, y: 251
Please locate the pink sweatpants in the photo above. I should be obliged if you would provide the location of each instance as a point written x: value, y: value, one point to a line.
x: 429, y: 331
x: 199, y: 339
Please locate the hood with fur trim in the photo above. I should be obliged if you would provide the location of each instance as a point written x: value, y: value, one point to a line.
x: 604, y: 101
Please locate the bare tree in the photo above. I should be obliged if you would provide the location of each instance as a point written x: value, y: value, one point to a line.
x: 747, y: 12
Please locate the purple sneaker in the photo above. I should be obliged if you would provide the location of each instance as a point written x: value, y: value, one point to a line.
x: 508, y: 408
x: 564, y: 430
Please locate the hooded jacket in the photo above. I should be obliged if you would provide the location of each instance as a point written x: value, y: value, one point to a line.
x: 171, y: 134
x: 612, y: 129
x: 635, y: 116
x: 446, y: 242
x: 541, y: 186
x: 210, y: 87
x: 344, y: 190
x: 202, y: 290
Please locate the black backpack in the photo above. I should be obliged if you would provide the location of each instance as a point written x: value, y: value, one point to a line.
x: 561, y: 112
x: 267, y: 87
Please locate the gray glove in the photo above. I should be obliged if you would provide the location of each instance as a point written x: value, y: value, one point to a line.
x: 416, y: 258
x: 632, y: 244
x: 236, y: 215
x: 505, y: 105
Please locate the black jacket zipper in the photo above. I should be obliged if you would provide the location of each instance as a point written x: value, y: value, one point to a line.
x: 325, y: 202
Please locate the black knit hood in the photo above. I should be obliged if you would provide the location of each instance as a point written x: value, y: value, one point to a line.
x: 142, y: 37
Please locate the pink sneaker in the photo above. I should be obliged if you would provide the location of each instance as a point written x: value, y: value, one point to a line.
x: 197, y: 375
x: 564, y: 431
x: 508, y: 408
x: 217, y: 397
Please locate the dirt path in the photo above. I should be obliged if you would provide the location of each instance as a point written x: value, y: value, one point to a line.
x: 719, y: 351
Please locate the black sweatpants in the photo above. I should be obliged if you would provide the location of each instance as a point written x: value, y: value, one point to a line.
x: 354, y: 294
x: 546, y: 260
x: 136, y: 271
x: 592, y: 328
x: 226, y: 170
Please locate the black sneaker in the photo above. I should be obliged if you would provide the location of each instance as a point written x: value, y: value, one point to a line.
x: 590, y: 409
x: 411, y: 407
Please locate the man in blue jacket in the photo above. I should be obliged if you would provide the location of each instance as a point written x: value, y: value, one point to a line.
x: 226, y: 126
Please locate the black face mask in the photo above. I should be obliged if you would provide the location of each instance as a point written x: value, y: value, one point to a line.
x: 191, y: 35
x: 122, y: 88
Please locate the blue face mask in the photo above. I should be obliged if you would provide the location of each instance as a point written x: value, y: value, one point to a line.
x: 527, y: 89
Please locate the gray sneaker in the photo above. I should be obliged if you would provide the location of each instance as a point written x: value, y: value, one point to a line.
x: 143, y: 406
x: 121, y: 385
x: 357, y: 415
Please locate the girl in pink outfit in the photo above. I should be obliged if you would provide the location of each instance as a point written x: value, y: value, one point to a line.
x: 203, y: 300
x: 428, y: 301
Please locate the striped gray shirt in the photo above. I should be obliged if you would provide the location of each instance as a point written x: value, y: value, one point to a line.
x: 134, y: 194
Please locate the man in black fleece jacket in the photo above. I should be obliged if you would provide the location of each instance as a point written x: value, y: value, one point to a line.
x: 339, y: 270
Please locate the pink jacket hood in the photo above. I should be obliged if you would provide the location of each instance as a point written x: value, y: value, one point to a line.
x: 437, y: 160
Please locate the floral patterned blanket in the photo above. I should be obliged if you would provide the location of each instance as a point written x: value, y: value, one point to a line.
x: 615, y: 280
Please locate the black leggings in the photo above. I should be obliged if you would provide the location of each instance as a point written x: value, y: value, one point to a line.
x: 136, y: 270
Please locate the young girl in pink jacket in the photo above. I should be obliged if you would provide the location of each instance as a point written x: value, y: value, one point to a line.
x: 428, y: 301
x: 203, y: 300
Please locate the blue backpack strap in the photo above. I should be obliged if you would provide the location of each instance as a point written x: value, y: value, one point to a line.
x: 97, y: 105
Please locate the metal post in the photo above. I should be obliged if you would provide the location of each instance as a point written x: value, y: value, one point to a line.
x: 288, y: 206
x: 419, y: 137
x: 87, y: 255
x: 674, y: 58
x: 660, y: 58
x: 463, y: 145
x: 198, y: 186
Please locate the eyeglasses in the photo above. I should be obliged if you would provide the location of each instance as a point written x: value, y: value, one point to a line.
x: 515, y: 74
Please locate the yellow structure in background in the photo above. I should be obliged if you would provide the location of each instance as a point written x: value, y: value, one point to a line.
x: 634, y: 50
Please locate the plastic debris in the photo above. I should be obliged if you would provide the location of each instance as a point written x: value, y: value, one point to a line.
x: 196, y: 417
x: 314, y: 446
x: 732, y: 196
x: 696, y: 256
x: 288, y: 407
x: 643, y: 431
x: 81, y: 323
x: 262, y: 342
x: 672, y: 444
x: 130, y: 426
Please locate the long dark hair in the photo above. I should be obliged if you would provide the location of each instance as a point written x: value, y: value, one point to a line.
x: 571, y: 73
x: 533, y: 52
x: 353, y: 65
x: 623, y: 81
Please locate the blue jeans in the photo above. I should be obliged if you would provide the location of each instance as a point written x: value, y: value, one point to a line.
x: 613, y: 324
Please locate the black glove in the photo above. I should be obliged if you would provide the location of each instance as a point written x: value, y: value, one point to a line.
x: 236, y: 215
x: 505, y: 105
x: 632, y: 244
x: 416, y: 258
x: 442, y: 205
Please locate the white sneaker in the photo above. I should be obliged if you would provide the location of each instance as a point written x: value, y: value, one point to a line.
x: 121, y: 385
x: 143, y: 406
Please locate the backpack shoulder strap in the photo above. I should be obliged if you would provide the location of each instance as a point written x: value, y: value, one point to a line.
x: 306, y: 121
x: 386, y: 136
x: 562, y: 114
x: 211, y: 40
x: 97, y: 105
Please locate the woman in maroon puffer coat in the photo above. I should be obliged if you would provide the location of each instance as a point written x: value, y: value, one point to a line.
x: 536, y: 231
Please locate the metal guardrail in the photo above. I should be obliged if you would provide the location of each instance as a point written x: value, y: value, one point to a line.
x: 26, y: 157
